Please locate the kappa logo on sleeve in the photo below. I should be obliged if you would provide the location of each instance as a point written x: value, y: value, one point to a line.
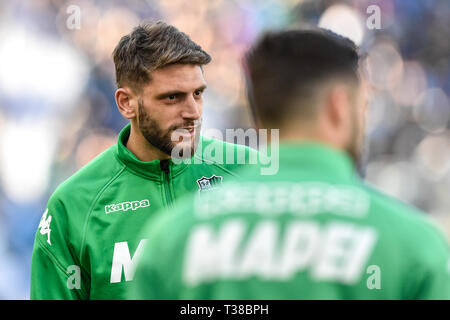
x: 44, y: 225
x: 125, y: 206
x: 211, y: 183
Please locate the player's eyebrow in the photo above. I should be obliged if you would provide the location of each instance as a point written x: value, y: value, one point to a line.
x: 201, y: 88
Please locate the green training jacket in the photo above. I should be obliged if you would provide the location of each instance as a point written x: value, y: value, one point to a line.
x: 87, y: 244
x: 311, y: 231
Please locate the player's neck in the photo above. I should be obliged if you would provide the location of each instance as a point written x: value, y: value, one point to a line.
x: 321, y: 133
x: 307, y: 137
x: 142, y: 149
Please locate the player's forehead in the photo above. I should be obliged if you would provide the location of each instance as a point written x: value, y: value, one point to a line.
x: 176, y: 77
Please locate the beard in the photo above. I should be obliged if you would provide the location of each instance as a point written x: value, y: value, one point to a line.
x: 167, y: 140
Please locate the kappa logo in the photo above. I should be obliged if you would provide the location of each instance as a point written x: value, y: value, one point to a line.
x: 210, y: 183
x: 125, y: 206
x: 44, y: 225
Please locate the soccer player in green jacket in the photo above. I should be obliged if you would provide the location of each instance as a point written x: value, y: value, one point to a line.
x: 87, y: 244
x: 314, y: 230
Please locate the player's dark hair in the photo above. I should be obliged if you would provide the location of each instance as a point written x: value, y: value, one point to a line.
x: 286, y: 68
x: 150, y: 46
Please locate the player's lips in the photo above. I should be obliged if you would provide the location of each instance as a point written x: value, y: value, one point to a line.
x: 186, y: 131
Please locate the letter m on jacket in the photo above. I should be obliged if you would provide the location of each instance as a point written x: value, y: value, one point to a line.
x: 122, y: 261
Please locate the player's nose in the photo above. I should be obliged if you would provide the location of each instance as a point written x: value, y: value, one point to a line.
x: 192, y: 109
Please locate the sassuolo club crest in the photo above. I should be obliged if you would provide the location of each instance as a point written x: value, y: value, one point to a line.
x: 210, y: 183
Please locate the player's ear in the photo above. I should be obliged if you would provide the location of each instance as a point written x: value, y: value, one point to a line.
x: 336, y: 116
x: 337, y: 103
x: 125, y: 102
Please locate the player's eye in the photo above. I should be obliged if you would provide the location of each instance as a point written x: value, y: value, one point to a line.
x: 172, y: 98
x: 198, y: 93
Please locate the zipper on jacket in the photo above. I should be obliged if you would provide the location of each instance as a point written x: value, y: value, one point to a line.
x: 164, y: 164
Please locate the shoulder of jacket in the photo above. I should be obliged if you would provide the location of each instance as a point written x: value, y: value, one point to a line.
x: 228, y: 156
x: 88, y: 181
x: 407, y: 221
x: 207, y: 141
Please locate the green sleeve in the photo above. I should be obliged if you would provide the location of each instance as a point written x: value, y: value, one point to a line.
x: 55, y: 274
x: 434, y: 284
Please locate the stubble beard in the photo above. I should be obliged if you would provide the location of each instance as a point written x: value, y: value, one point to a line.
x: 162, y: 139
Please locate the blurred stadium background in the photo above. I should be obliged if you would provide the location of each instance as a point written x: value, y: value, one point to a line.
x: 57, y: 108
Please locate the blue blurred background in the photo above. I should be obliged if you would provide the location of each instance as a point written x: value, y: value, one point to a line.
x: 57, y: 108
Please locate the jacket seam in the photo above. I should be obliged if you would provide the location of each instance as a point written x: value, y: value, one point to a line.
x: 52, y: 256
x: 58, y: 264
x: 86, y: 223
x: 179, y: 172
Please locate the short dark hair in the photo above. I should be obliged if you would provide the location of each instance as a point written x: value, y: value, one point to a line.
x: 285, y: 70
x: 150, y: 46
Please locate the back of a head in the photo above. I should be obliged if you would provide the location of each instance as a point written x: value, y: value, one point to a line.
x: 287, y: 69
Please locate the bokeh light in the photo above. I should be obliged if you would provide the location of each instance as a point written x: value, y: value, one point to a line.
x: 343, y: 20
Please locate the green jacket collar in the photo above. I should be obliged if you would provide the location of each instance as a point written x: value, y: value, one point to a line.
x: 318, y: 158
x: 149, y: 169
